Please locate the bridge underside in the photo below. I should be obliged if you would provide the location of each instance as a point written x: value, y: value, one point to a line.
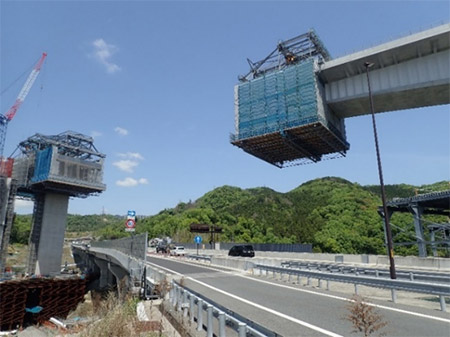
x: 407, y: 73
x: 296, y: 145
x: 404, y: 98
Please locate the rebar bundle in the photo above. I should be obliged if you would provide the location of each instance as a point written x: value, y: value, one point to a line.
x: 56, y: 297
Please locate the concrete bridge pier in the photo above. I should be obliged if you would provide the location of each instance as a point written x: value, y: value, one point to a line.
x: 106, y: 279
x: 121, y: 277
x: 47, y: 233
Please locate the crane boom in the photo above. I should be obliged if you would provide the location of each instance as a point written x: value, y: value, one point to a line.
x: 25, y: 89
x: 6, y: 118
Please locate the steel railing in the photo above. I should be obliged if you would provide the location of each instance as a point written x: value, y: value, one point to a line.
x: 412, y: 275
x: 193, y: 304
x: 440, y: 290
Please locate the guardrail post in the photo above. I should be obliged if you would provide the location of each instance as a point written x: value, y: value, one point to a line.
x: 442, y: 300
x: 200, y: 315
x: 175, y: 295
x: 191, y: 307
x: 298, y: 279
x: 308, y: 282
x: 179, y: 298
x: 411, y: 276
x: 377, y: 273
x: 356, y: 285
x: 328, y: 285
x: 221, y: 324
x: 171, y: 295
x: 242, y: 329
x: 319, y: 283
x: 289, y: 277
x: 394, y: 295
x: 209, y: 323
x: 185, y: 308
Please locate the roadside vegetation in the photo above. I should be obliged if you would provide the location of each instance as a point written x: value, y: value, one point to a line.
x: 332, y: 214
x: 365, y: 318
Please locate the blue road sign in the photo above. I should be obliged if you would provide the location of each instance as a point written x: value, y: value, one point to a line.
x: 131, y: 213
x: 198, y: 239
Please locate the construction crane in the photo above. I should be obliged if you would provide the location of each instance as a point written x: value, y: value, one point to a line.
x: 6, y: 118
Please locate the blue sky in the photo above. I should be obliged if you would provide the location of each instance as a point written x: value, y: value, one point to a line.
x: 153, y: 82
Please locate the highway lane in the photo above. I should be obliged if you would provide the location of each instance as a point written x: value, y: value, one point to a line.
x: 298, y: 311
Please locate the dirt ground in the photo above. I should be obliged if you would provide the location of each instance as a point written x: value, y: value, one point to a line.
x: 18, y: 256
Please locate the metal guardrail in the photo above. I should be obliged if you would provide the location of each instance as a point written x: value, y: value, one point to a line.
x: 199, y: 257
x: 412, y: 275
x: 187, y: 300
x: 441, y: 290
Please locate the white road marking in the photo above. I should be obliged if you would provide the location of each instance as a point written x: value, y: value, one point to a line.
x: 277, y: 313
x: 330, y: 296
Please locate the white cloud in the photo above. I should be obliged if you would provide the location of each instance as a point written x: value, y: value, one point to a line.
x: 127, y: 182
x: 131, y: 155
x: 126, y: 165
x: 103, y: 53
x: 121, y: 131
x: 143, y: 181
x: 23, y: 206
x: 131, y: 182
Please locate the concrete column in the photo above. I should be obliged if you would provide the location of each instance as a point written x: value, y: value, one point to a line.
x: 106, y: 277
x: 121, y: 278
x: 48, y: 240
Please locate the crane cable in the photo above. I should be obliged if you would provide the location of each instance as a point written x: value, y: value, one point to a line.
x: 27, y: 71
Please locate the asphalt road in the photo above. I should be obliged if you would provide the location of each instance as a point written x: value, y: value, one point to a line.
x: 293, y: 311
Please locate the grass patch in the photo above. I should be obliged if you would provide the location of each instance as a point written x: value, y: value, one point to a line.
x: 114, y: 318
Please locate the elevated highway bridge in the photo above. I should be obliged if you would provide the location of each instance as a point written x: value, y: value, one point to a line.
x: 410, y: 72
x: 284, y: 308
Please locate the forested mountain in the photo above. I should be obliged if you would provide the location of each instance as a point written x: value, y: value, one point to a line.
x: 405, y: 191
x: 333, y: 214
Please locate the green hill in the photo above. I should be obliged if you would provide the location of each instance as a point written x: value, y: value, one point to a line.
x: 332, y: 214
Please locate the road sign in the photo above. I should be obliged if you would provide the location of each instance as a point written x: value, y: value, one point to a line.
x: 130, y: 225
x: 198, y: 239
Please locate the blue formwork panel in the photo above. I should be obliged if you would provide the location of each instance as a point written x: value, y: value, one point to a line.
x: 42, y: 165
x: 277, y: 100
x: 281, y: 118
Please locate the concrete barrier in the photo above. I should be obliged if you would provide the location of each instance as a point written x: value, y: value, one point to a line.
x: 275, y: 259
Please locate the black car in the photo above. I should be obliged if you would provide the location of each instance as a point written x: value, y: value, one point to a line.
x: 162, y: 248
x: 244, y: 250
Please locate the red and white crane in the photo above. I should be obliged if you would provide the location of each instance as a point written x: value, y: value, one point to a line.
x: 9, y: 115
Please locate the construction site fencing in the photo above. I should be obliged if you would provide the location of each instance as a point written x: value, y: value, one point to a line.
x: 135, y: 245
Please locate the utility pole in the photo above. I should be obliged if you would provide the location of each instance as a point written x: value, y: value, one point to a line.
x: 380, y: 172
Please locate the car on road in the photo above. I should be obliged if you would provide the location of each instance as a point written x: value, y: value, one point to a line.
x: 242, y: 250
x: 162, y: 248
x: 177, y: 251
